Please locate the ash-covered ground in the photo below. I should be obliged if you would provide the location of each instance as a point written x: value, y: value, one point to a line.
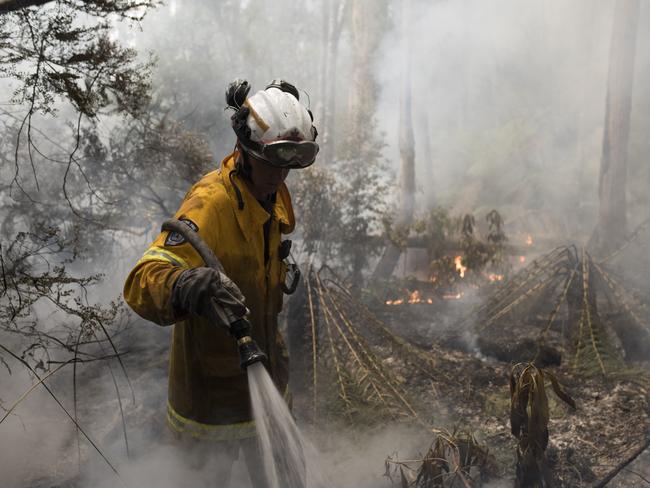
x: 465, y: 387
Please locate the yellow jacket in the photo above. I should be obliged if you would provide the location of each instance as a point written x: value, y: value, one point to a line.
x: 208, y: 392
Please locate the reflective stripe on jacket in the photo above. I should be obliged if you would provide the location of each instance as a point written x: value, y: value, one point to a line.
x: 208, y: 392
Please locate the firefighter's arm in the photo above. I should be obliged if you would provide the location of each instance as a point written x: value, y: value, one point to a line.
x: 148, y: 290
x: 170, y: 280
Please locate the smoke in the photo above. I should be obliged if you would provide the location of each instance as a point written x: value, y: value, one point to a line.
x: 509, y: 98
x: 508, y: 111
x: 347, y: 459
x: 31, y: 432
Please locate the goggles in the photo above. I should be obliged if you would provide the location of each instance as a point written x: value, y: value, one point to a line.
x: 286, y: 154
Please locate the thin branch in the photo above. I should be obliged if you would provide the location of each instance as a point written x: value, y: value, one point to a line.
x: 31, y: 389
x: 65, y: 410
x: 119, y: 402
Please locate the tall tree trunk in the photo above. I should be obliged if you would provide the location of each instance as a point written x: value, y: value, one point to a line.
x: 425, y: 157
x: 406, y: 139
x: 612, y: 218
x: 463, y: 74
x: 329, y: 122
x: 392, y: 252
x: 366, y: 21
x: 583, y: 109
x: 324, y: 69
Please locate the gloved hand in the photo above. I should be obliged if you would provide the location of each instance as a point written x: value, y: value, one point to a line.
x: 198, y: 290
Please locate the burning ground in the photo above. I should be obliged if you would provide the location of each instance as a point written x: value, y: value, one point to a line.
x: 563, y: 313
x: 390, y: 381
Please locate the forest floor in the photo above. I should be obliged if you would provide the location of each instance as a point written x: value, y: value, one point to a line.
x: 469, y: 391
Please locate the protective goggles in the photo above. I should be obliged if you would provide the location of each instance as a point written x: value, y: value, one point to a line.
x: 287, y: 154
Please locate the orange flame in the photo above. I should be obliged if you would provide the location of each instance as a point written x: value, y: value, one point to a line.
x: 529, y: 240
x: 414, y: 297
x: 522, y: 259
x: 458, y: 261
x: 495, y: 277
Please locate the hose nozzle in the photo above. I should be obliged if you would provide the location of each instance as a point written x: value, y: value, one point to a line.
x: 249, y: 351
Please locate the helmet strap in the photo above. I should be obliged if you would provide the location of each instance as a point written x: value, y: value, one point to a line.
x: 242, y: 164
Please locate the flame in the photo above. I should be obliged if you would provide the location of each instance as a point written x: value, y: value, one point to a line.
x: 458, y: 261
x: 414, y: 297
x: 495, y: 277
x: 522, y: 259
x: 453, y: 296
x: 529, y: 240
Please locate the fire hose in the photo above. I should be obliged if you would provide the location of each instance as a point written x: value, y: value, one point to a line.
x: 239, y: 327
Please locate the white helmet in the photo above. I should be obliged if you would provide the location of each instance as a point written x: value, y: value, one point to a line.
x: 272, y: 124
x: 277, y: 115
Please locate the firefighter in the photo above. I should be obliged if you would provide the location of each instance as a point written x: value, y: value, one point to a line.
x: 241, y: 211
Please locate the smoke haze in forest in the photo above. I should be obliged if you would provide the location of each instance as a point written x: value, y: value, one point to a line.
x: 508, y: 113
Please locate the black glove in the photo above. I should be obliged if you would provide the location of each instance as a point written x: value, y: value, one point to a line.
x: 206, y: 292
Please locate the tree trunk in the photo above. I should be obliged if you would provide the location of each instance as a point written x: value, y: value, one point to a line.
x: 329, y: 122
x: 428, y: 171
x: 392, y: 252
x: 406, y: 139
x: 367, y: 19
x: 365, y: 41
x: 324, y: 70
x: 464, y: 65
x: 612, y: 218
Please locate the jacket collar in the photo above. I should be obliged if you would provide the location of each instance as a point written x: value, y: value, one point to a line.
x: 252, y: 216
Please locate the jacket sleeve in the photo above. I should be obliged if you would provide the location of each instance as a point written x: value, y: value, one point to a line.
x: 149, y: 285
x: 148, y: 290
